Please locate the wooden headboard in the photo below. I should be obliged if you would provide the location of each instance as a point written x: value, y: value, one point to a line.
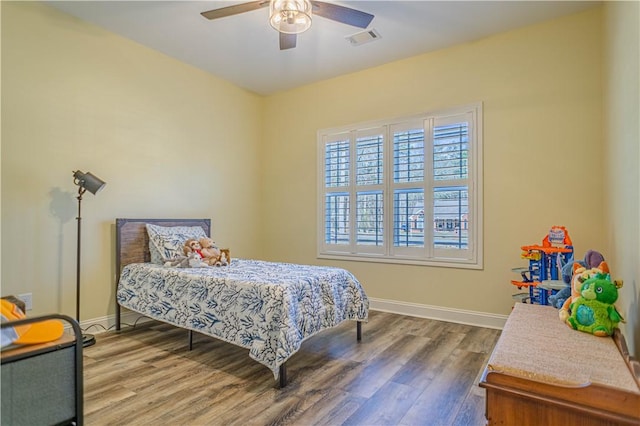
x: 132, y: 241
x: 132, y: 244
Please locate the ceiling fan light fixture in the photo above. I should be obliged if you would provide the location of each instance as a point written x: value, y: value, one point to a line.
x: 290, y: 16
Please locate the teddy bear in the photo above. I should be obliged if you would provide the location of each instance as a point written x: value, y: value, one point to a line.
x: 193, y: 251
x: 212, y: 255
x: 593, y: 311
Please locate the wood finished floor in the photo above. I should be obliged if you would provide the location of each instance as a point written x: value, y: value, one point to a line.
x: 406, y: 371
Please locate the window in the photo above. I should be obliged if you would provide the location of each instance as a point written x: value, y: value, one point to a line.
x: 404, y: 191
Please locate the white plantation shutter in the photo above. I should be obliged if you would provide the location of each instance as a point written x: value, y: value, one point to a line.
x: 407, y: 190
x: 369, y: 187
x: 337, y: 171
x: 408, y: 186
x: 450, y: 189
x: 337, y: 163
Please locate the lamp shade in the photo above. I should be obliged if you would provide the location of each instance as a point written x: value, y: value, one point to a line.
x: 290, y: 16
x: 91, y: 183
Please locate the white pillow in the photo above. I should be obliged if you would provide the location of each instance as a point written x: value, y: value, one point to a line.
x: 166, y: 242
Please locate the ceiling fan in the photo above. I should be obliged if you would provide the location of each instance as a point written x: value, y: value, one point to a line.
x: 292, y: 17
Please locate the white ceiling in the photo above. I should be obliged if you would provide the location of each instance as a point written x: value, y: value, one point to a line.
x: 244, y: 48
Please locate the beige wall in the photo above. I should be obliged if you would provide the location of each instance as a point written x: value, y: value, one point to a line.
x: 541, y: 89
x: 622, y: 157
x: 169, y: 140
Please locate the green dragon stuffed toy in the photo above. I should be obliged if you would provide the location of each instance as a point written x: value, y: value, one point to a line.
x: 593, y: 312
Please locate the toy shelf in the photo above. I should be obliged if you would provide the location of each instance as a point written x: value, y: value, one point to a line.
x: 545, y: 263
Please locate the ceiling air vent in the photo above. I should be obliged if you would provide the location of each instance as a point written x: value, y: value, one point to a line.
x: 364, y: 37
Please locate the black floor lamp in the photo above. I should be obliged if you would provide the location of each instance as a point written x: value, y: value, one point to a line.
x: 93, y: 184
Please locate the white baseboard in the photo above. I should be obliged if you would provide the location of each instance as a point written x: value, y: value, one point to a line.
x: 460, y: 316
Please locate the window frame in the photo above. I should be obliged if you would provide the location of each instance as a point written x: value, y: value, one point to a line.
x: 471, y: 258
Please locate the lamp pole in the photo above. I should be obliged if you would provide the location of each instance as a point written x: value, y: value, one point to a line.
x: 87, y: 339
x: 85, y: 181
x: 81, y: 191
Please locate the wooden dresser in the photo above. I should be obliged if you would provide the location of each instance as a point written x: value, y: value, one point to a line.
x: 542, y: 372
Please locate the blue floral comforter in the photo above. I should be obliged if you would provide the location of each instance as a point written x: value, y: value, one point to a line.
x: 268, y: 308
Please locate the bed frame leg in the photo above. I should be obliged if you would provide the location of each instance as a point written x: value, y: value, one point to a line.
x: 117, y: 316
x: 359, y: 331
x: 190, y: 339
x: 283, y: 376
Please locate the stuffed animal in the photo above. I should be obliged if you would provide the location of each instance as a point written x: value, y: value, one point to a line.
x: 592, y: 259
x: 191, y: 260
x: 574, y: 274
x: 195, y: 261
x: 225, y: 256
x: 212, y: 255
x: 193, y: 250
x: 180, y: 262
x: 580, y: 275
x: 558, y: 299
x: 192, y: 245
x: 593, y: 312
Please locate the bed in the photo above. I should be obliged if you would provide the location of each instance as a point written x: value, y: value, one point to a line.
x: 268, y: 308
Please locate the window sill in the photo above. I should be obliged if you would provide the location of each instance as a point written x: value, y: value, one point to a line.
x: 444, y: 263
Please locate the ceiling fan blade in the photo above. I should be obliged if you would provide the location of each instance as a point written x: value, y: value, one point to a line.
x: 342, y: 14
x: 235, y: 9
x: 287, y: 41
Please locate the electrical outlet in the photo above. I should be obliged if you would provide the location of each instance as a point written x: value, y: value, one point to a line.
x: 27, y: 298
